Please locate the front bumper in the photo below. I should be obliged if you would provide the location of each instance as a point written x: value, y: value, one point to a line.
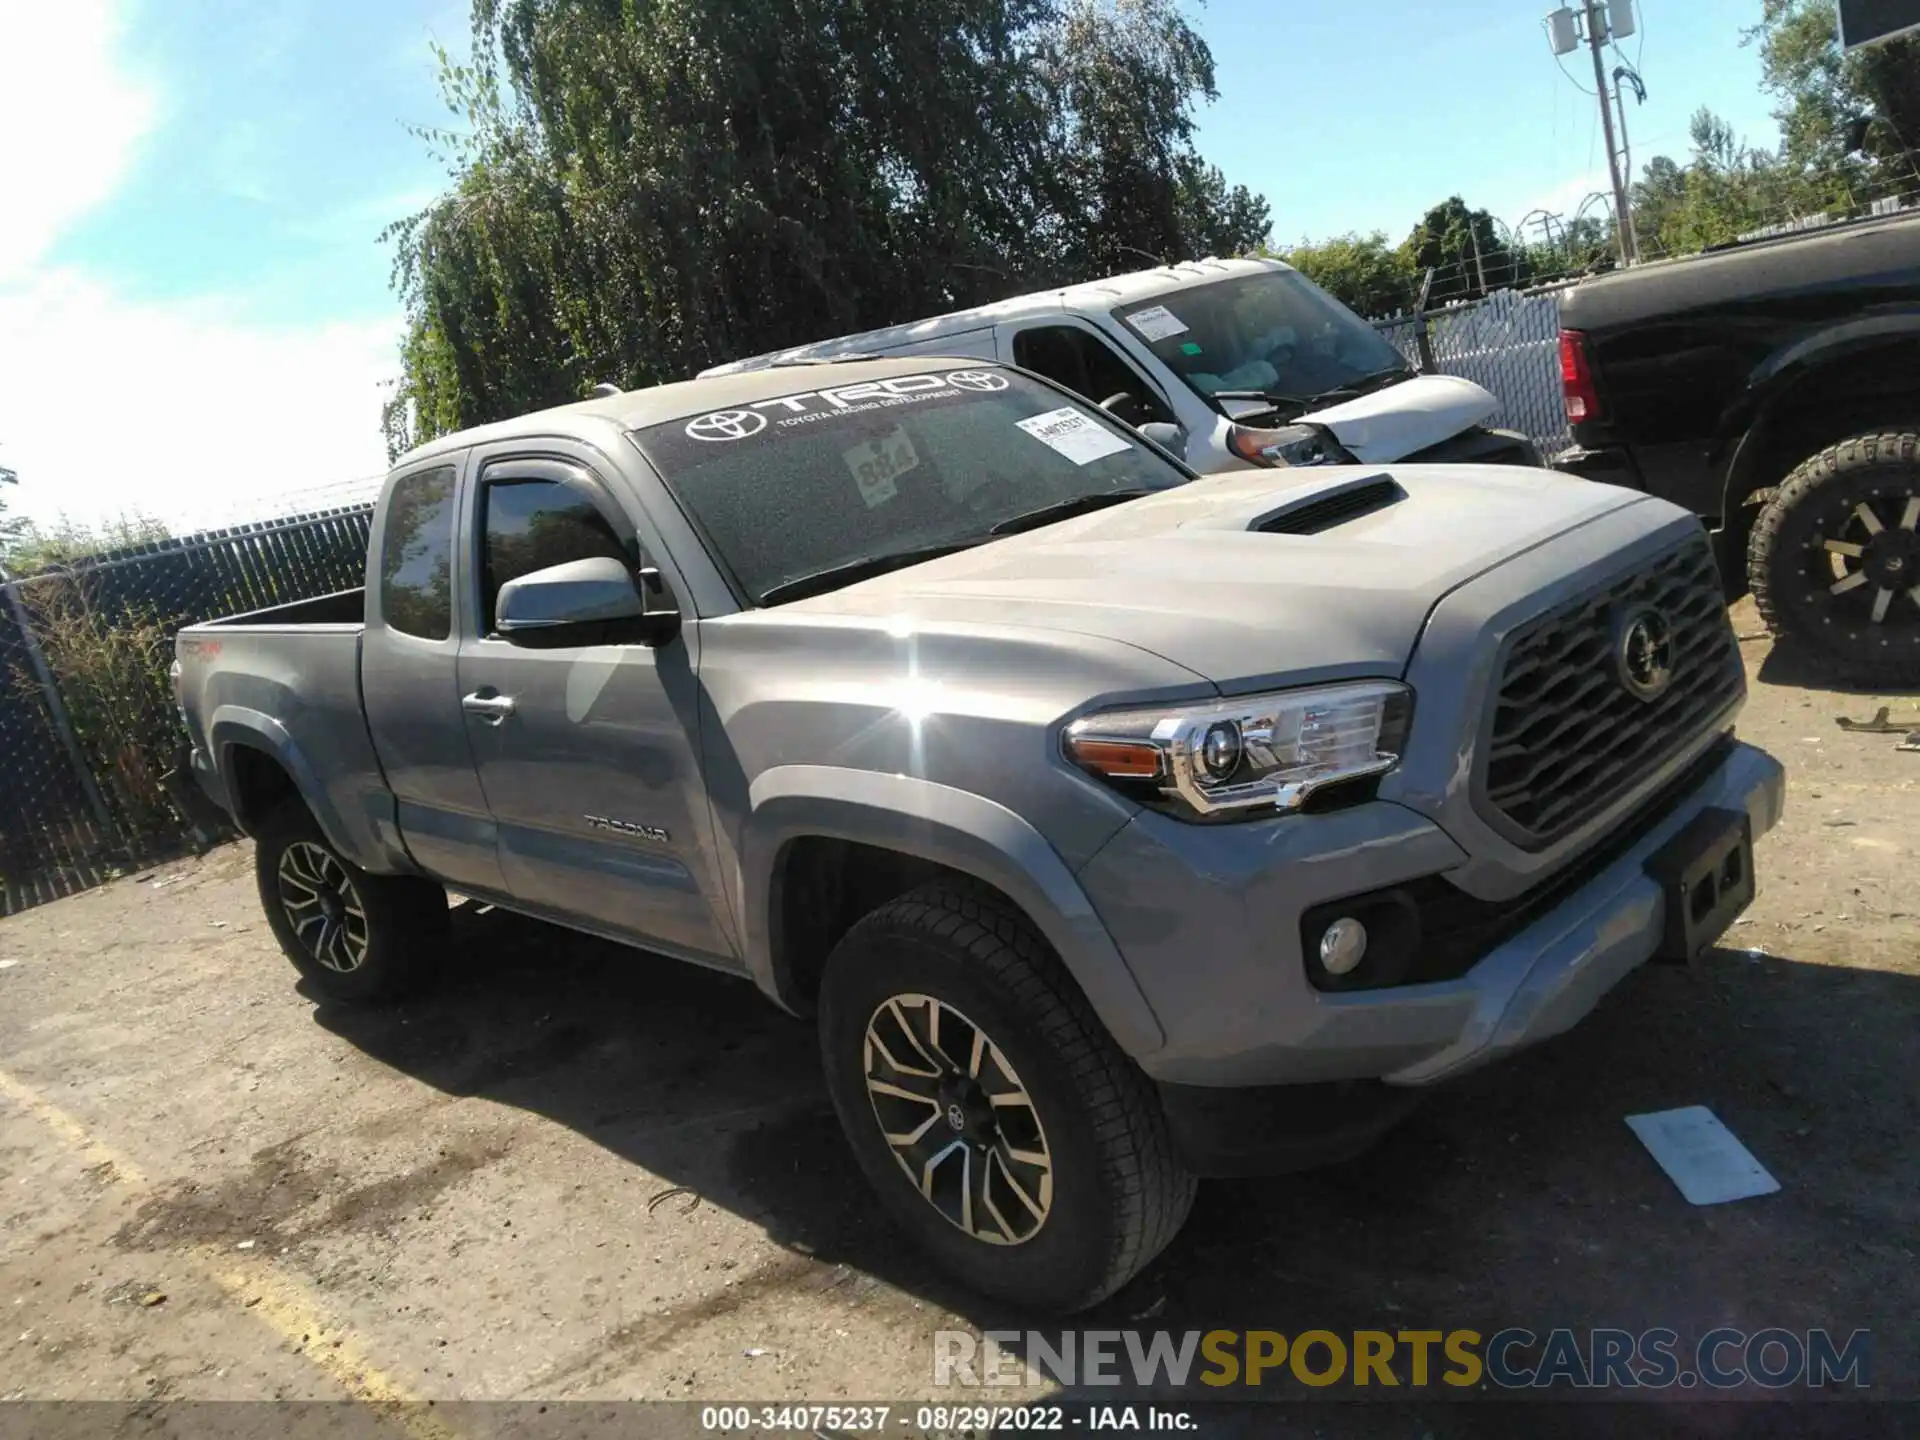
x: 1480, y: 445
x: 1221, y: 962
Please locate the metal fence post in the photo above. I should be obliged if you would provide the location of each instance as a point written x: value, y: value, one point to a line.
x: 1422, y: 342
x: 57, y: 708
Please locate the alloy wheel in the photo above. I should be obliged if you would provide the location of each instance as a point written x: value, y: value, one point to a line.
x: 1868, y: 559
x: 958, y: 1119
x: 322, y: 906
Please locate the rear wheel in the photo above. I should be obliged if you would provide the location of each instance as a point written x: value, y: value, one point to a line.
x: 354, y: 936
x: 1835, y: 559
x: 987, y: 1105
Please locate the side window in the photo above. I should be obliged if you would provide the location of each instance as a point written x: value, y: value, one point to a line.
x: 1088, y: 366
x: 531, y: 524
x: 416, y: 553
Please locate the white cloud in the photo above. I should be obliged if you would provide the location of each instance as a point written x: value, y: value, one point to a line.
x: 70, y: 123
x: 183, y: 410
x: 180, y: 411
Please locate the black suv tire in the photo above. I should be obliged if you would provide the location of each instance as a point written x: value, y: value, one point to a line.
x: 1834, y: 559
x: 355, y: 937
x: 1047, y: 1080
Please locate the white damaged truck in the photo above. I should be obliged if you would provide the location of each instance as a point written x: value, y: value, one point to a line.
x: 1226, y: 363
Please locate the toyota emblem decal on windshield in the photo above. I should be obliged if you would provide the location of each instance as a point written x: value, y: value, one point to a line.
x: 977, y: 380
x: 1643, y: 654
x: 727, y: 425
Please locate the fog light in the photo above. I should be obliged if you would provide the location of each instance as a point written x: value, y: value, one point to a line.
x: 1343, y: 945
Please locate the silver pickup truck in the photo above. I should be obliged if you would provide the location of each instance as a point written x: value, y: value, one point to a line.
x: 1119, y: 826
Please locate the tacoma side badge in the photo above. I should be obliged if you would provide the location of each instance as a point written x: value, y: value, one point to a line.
x: 628, y: 827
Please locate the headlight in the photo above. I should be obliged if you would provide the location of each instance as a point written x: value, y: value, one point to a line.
x: 1287, y: 446
x: 1238, y: 757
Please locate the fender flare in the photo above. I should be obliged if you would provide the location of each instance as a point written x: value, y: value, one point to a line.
x: 1746, y: 430
x: 950, y: 827
x: 235, y: 725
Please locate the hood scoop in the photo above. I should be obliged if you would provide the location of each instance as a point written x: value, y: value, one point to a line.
x: 1330, y: 506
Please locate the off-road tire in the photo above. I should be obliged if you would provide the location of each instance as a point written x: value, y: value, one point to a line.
x: 405, y: 918
x: 1790, y: 571
x: 1119, y: 1193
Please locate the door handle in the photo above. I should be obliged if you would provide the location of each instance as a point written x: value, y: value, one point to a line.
x: 494, y: 709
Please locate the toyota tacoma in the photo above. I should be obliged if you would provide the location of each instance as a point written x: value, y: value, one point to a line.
x: 1117, y: 826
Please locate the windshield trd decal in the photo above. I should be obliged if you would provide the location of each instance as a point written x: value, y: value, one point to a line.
x: 809, y: 406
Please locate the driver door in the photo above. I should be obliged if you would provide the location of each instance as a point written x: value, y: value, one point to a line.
x: 1072, y: 354
x: 587, y: 753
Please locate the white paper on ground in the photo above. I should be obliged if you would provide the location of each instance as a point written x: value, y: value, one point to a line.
x: 1702, y: 1156
x: 1157, y: 322
x: 1075, y: 436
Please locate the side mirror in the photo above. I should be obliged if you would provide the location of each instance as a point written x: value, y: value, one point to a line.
x: 583, y: 602
x: 1168, y: 436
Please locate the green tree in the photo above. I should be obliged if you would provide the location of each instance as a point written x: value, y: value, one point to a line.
x: 1464, y: 249
x: 1728, y: 189
x: 34, y: 548
x: 1842, y: 117
x: 1117, y: 82
x: 643, y: 189
x: 1364, y: 272
x: 11, y: 526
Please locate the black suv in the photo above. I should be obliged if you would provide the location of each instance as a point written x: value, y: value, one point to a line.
x: 1774, y: 388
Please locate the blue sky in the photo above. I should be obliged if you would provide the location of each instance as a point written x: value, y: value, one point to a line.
x: 196, y: 314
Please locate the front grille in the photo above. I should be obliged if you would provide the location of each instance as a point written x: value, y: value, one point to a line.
x: 1568, y: 737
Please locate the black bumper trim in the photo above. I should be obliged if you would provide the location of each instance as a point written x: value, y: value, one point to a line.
x: 1224, y: 1133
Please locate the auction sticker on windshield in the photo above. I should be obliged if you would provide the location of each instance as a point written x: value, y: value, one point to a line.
x: 875, y: 464
x: 1073, y: 435
x: 1157, y: 322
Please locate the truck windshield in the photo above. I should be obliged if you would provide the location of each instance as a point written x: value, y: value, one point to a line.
x: 819, y: 488
x: 1275, y: 334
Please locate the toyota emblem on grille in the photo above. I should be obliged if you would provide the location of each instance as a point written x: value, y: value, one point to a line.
x: 1643, y: 653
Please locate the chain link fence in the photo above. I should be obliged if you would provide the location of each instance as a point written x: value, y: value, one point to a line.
x: 1510, y: 343
x: 88, y: 732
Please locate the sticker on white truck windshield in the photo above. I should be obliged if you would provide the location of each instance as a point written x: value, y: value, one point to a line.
x: 1073, y: 435
x: 875, y: 464
x: 1157, y: 322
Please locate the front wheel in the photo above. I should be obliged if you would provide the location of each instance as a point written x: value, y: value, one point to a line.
x: 354, y: 937
x: 989, y: 1108
x: 1834, y: 559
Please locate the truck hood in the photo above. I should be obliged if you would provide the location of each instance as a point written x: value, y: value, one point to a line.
x: 1199, y: 576
x: 1407, y: 418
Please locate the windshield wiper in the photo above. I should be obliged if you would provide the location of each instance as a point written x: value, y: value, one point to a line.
x: 1271, y: 397
x: 1353, y: 389
x: 1066, y: 510
x: 1372, y: 380
x: 865, y: 568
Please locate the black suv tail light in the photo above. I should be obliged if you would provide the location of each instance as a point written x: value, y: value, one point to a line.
x: 1576, y: 378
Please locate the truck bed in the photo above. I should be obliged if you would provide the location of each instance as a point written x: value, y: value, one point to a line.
x: 342, y: 607
x: 286, y: 680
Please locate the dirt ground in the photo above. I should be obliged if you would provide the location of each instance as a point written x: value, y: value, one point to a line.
x: 576, y: 1172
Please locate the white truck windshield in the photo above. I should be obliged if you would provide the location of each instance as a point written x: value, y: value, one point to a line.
x: 1275, y: 335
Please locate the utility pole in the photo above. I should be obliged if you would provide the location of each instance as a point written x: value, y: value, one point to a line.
x: 1625, y: 74
x: 1597, y: 37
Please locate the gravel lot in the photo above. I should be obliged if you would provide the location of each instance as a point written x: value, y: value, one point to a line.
x: 580, y: 1172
